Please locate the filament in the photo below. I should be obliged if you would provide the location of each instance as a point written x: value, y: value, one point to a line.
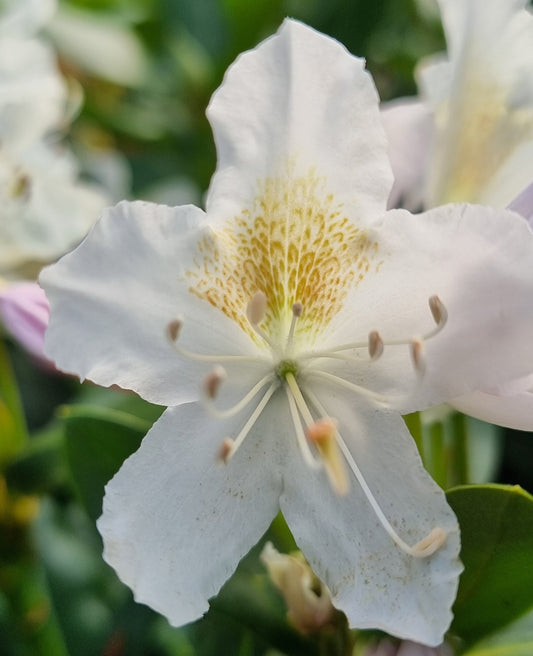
x: 422, y: 549
x: 230, y: 447
x: 240, y: 405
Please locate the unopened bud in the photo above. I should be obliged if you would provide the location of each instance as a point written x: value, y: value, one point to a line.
x: 308, y: 600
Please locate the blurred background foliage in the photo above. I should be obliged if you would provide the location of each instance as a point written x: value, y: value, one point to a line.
x: 147, y: 69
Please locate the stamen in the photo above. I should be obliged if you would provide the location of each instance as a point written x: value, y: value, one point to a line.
x: 256, y: 309
x: 226, y: 449
x: 213, y: 380
x: 438, y: 310
x: 418, y: 356
x: 323, y: 434
x: 174, y: 329
x: 363, y: 391
x: 424, y: 547
x: 173, y: 333
x: 229, y: 447
x: 255, y: 312
x: 240, y: 405
x: 297, y: 310
x: 375, y: 345
x: 300, y: 401
x: 308, y: 457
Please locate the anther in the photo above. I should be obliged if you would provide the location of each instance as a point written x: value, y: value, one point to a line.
x: 375, y: 345
x: 297, y: 310
x: 213, y: 380
x: 417, y: 355
x: 256, y: 309
x: 323, y: 434
x: 174, y: 328
x: 428, y: 545
x: 226, y: 450
x: 438, y: 310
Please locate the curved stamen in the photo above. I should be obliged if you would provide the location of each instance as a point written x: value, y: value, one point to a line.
x: 240, y: 405
x: 213, y: 381
x: 424, y: 547
x: 375, y: 343
x: 173, y: 332
x: 229, y: 447
x: 417, y: 355
x: 255, y: 312
x: 374, y: 396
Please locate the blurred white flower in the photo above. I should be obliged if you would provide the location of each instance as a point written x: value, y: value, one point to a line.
x: 470, y: 138
x: 470, y: 135
x: 99, y: 46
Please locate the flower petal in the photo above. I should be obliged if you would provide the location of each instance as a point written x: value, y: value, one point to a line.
x: 485, y: 124
x: 175, y: 522
x: 375, y: 583
x: 523, y: 204
x: 118, y: 291
x: 24, y: 312
x: 510, y: 410
x: 25, y: 17
x: 298, y: 101
x: 479, y: 261
x: 409, y: 127
x: 33, y: 95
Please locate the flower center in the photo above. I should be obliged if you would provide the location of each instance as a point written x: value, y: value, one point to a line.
x: 319, y: 440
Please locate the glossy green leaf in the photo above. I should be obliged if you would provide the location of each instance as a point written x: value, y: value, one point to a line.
x: 97, y: 441
x: 514, y: 640
x: 497, y: 551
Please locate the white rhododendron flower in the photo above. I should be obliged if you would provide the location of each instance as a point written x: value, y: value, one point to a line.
x: 470, y: 138
x: 289, y: 326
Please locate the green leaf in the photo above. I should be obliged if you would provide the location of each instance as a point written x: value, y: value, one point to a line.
x: 515, y: 640
x: 13, y: 430
x: 497, y: 549
x: 97, y: 441
x: 40, y: 467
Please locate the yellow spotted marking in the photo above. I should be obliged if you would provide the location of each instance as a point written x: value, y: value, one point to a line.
x: 294, y: 244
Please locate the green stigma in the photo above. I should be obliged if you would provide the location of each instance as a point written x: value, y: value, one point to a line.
x: 285, y: 368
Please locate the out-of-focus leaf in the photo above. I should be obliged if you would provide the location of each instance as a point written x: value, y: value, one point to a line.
x: 514, y: 640
x: 40, y: 468
x: 497, y: 550
x: 97, y: 441
x: 12, y: 424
